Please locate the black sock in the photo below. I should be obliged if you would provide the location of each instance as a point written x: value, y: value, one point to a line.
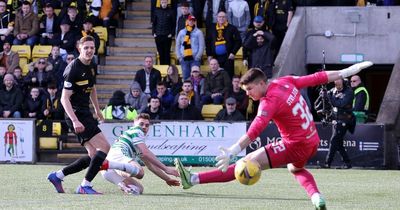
x: 95, y: 165
x: 77, y: 166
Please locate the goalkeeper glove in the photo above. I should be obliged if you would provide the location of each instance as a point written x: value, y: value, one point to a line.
x: 225, y: 156
x: 354, y: 69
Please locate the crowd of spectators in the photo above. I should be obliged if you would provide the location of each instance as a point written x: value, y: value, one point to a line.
x: 36, y: 93
x: 216, y: 28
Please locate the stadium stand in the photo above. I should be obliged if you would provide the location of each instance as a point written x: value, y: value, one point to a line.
x: 209, y: 111
x: 103, y: 35
x: 24, y: 52
x: 40, y: 51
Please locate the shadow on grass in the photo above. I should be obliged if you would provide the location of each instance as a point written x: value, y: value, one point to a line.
x: 208, y: 195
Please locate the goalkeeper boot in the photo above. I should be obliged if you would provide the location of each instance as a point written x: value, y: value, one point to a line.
x: 184, y: 174
x: 86, y: 190
x: 52, y: 177
x: 318, y: 201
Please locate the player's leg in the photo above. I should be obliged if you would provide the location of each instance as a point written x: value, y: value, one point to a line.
x: 307, y: 181
x: 98, y: 148
x: 189, y: 179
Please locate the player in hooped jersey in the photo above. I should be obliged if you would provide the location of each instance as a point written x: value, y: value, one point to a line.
x: 280, y: 100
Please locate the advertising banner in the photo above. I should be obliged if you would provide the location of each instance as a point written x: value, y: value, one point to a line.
x: 18, y: 142
x: 195, y: 142
x: 364, y: 147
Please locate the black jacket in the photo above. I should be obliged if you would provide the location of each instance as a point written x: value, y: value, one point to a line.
x: 31, y: 106
x: 164, y: 22
x: 261, y: 56
x: 155, y: 77
x: 54, y: 106
x: 68, y: 41
x: 224, y: 116
x: 231, y: 36
x: 342, y: 101
x: 189, y: 113
x: 11, y: 100
x: 56, y: 24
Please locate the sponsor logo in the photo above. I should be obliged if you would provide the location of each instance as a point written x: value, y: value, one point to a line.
x: 67, y: 84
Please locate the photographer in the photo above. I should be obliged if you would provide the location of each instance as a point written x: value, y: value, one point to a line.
x: 341, y: 98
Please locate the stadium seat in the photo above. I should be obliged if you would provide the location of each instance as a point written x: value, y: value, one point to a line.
x: 41, y: 51
x: 209, y: 111
x: 24, y: 52
x: 103, y: 35
x: 163, y: 69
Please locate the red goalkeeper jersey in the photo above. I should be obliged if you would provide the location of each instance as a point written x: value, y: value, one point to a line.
x: 284, y: 104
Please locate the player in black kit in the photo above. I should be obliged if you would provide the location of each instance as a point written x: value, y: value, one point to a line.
x: 79, y: 89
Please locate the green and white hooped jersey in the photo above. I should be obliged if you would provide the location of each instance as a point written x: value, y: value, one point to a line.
x: 127, y: 142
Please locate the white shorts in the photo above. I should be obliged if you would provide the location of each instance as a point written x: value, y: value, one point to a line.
x: 118, y: 156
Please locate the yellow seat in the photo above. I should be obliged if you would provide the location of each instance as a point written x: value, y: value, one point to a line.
x: 209, y: 111
x: 57, y: 11
x: 24, y: 52
x: 103, y: 35
x: 24, y: 67
x: 164, y: 68
x: 41, y: 51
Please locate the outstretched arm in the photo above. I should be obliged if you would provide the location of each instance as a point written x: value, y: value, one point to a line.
x: 350, y: 71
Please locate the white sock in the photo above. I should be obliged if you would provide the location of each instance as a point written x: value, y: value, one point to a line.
x: 86, y: 183
x: 127, y: 167
x: 112, y: 176
x: 194, y: 179
x: 60, y: 174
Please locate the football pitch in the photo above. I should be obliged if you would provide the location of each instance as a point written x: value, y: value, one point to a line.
x: 26, y: 187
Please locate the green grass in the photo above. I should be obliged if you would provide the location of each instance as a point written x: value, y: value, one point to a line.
x: 26, y: 187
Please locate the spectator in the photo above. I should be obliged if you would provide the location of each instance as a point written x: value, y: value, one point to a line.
x: 11, y: 99
x: 156, y: 4
x: 361, y: 99
x: 74, y: 20
x: 3, y: 72
x: 8, y: 58
x: 19, y: 79
x: 194, y: 99
x: 167, y: 99
x: 33, y: 104
x: 52, y: 108
x: 109, y: 13
x: 223, y: 42
x: 136, y: 98
x: 118, y: 109
x: 229, y: 113
x: 39, y: 75
x: 88, y: 30
x: 154, y: 109
x: 48, y: 26
x: 239, y: 16
x: 197, y: 80
x: 183, y: 111
x: 172, y: 80
x: 261, y: 53
x: 58, y: 64
x: 258, y: 25
x: 211, y: 10
x: 280, y: 15
x: 216, y: 84
x: 26, y: 26
x: 189, y: 46
x: 148, y: 77
x: 341, y: 98
x: 236, y: 92
x: 65, y: 39
x: 6, y: 24
x: 163, y: 31
x: 181, y: 21
x: 198, y: 6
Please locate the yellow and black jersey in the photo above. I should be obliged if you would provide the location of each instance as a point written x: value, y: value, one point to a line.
x: 79, y: 78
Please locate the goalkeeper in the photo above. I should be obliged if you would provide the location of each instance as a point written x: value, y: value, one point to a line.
x: 281, y: 101
x: 129, y: 146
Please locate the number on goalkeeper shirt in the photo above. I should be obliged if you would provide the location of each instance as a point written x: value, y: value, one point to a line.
x: 301, y: 109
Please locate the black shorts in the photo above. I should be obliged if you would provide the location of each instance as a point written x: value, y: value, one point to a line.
x: 87, y: 120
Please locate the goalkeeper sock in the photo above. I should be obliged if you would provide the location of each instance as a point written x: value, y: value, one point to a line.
x: 217, y: 175
x: 307, y: 181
